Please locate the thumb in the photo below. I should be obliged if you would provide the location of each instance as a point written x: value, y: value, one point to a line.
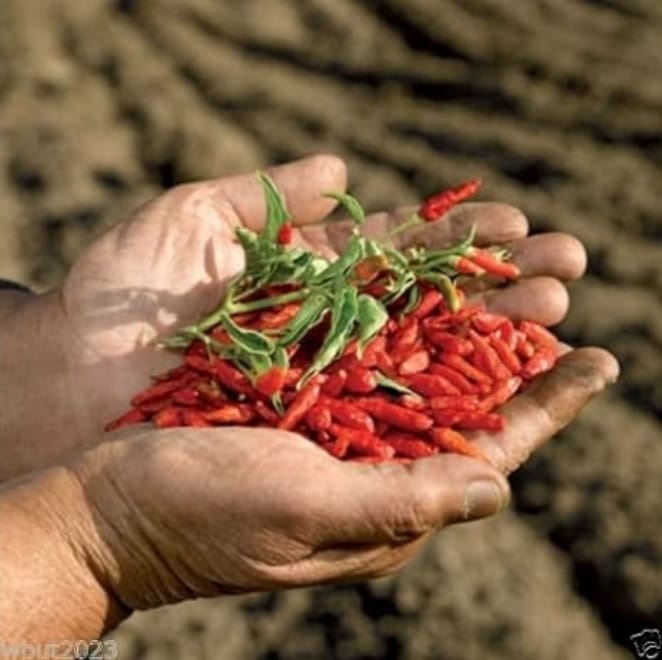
x: 301, y: 182
x: 391, y: 502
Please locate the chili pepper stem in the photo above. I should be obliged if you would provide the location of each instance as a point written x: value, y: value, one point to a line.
x: 412, y: 221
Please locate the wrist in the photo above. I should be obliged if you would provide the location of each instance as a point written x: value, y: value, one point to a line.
x: 36, y: 424
x: 51, y: 590
x: 11, y: 300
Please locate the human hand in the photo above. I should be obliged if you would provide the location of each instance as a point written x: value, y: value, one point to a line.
x: 156, y: 516
x: 89, y: 346
x: 182, y: 513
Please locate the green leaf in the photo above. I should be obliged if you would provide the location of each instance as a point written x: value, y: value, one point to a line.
x: 373, y: 248
x: 343, y: 317
x: 250, y: 241
x: 371, y: 317
x: 250, y: 341
x: 350, y: 204
x: 281, y: 359
x: 389, y: 383
x: 413, y: 300
x: 277, y: 212
x: 447, y: 288
x: 353, y: 253
x: 308, y: 316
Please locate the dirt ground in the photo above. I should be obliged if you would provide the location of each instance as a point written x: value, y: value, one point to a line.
x: 556, y: 104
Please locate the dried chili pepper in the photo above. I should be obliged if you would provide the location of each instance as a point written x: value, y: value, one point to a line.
x: 437, y: 205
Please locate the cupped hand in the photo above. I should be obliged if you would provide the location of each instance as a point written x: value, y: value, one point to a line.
x: 183, y: 513
x: 169, y: 262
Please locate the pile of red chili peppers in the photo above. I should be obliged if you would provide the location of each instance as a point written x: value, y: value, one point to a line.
x: 406, y: 388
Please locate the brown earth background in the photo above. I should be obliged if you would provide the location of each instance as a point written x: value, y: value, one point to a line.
x: 556, y: 104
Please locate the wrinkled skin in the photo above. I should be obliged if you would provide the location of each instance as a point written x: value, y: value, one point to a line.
x: 184, y: 512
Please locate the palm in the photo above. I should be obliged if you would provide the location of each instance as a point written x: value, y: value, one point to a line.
x: 259, y: 510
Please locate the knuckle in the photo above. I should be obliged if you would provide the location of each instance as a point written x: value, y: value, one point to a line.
x: 417, y: 517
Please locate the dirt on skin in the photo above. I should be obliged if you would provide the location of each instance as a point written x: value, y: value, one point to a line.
x: 556, y: 104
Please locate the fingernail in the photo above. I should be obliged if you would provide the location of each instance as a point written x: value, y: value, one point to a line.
x: 484, y: 498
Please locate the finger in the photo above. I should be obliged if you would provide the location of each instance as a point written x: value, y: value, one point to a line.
x: 554, y: 254
x: 301, y: 182
x: 551, y: 402
x: 494, y: 222
x: 396, y: 503
x: 541, y: 299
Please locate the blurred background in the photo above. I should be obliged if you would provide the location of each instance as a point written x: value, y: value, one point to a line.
x: 555, y: 104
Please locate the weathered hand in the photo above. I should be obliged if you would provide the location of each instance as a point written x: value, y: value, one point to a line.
x: 183, y: 513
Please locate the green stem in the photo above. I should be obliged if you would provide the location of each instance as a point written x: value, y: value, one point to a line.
x: 412, y: 221
x: 264, y: 303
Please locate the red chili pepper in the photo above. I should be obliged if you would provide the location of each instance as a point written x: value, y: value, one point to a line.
x: 266, y: 412
x: 542, y: 360
x: 285, y: 233
x: 293, y: 376
x: 481, y: 421
x: 501, y: 394
x: 361, y: 381
x: 220, y: 335
x: 461, y: 402
x: 168, y: 417
x: 396, y: 415
x: 460, y: 364
x: 193, y: 418
x: 335, y: 384
x: 385, y: 364
x: 449, y: 440
x: 487, y: 323
x: 507, y: 334
x: 412, y: 401
x: 370, y: 268
x: 319, y: 418
x: 160, y: 390
x: 230, y: 377
x: 338, y: 447
x: 448, y: 417
x: 491, y: 264
x: 200, y: 364
x: 196, y: 348
x: 230, y: 413
x: 415, y: 363
x: 372, y: 350
x: 173, y: 374
x: 271, y: 381
x: 210, y: 393
x: 455, y: 377
x: 431, y: 385
x: 447, y: 341
x: 467, y: 267
x: 486, y: 358
x: 435, y: 206
x: 187, y: 396
x: 133, y: 416
x: 429, y: 302
x: 305, y: 399
x: 506, y: 354
x: 348, y: 414
x: 404, y: 340
x: 362, y: 442
x: 277, y: 318
x: 537, y: 333
x: 410, y: 447
x: 524, y: 347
